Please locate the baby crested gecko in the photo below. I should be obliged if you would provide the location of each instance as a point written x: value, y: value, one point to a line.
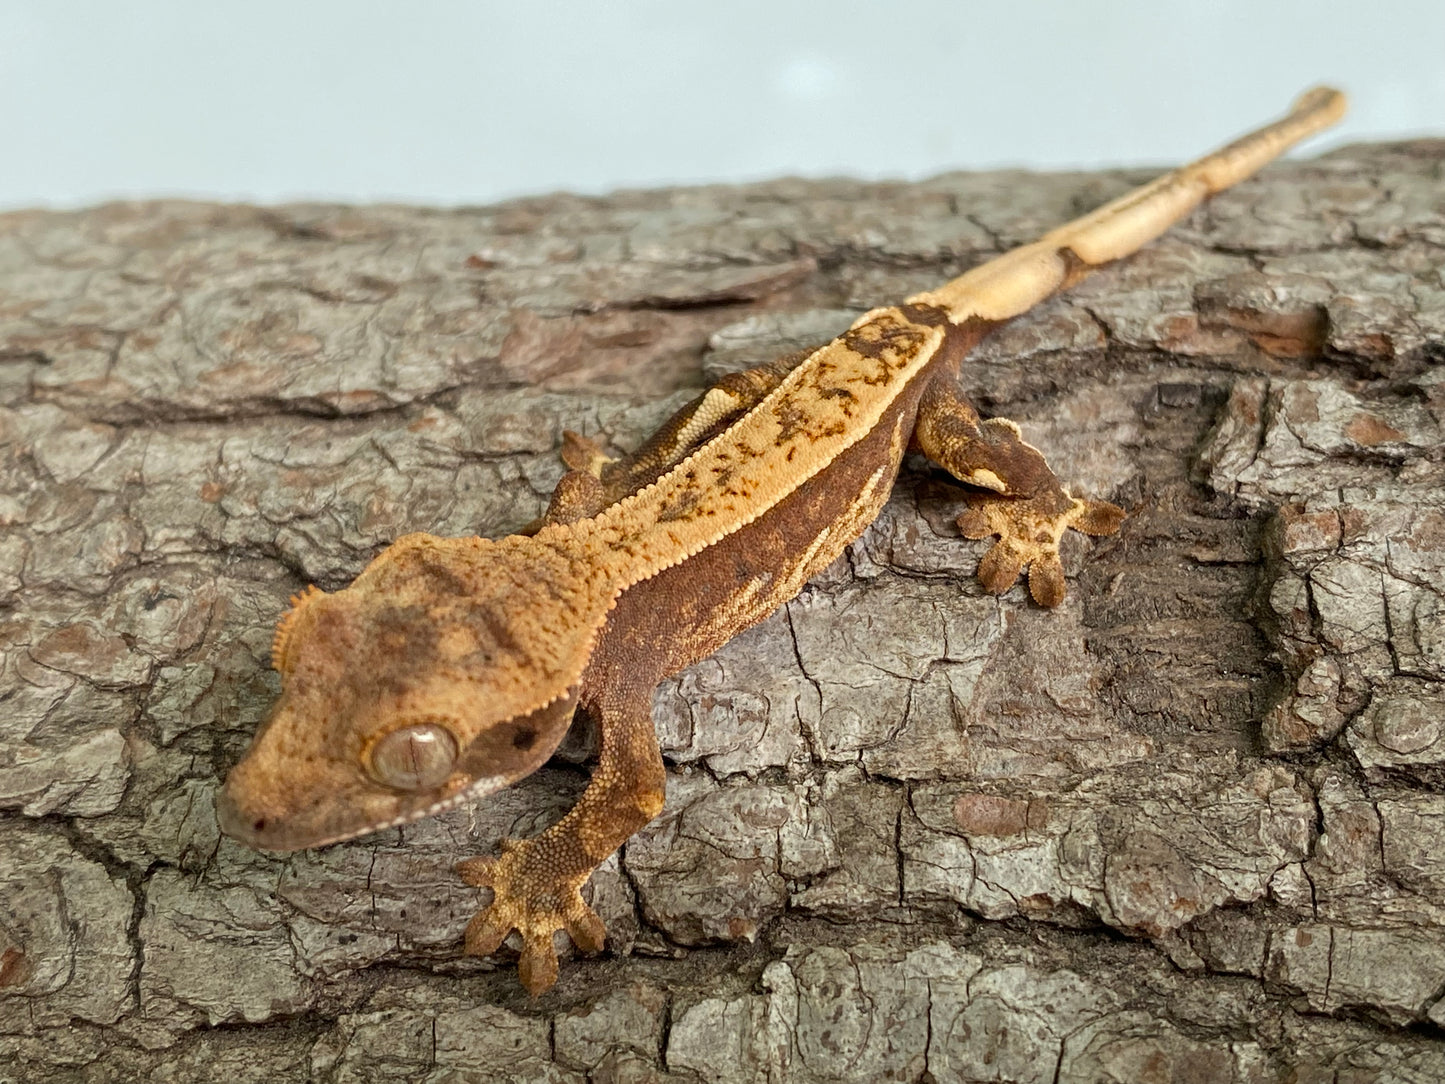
x: 451, y: 667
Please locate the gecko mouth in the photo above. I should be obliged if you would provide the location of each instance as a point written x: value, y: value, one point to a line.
x: 315, y: 824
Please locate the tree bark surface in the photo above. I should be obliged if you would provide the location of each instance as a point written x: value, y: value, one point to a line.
x: 1189, y: 826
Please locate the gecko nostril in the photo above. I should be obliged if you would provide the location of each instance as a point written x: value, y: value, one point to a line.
x: 524, y: 739
x: 259, y: 824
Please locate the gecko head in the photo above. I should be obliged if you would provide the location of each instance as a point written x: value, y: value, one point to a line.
x: 448, y: 670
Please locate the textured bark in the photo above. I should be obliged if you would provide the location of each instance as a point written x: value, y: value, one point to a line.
x: 1188, y: 827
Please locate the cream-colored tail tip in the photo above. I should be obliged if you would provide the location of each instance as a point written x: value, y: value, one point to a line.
x: 1327, y: 103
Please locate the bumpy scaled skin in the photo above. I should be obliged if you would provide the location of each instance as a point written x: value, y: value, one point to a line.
x: 452, y: 667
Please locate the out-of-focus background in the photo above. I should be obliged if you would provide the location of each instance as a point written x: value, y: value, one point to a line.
x: 450, y: 101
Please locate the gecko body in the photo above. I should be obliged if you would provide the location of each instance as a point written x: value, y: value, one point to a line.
x: 452, y: 667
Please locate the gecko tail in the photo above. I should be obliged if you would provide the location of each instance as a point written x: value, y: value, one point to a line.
x: 1012, y: 283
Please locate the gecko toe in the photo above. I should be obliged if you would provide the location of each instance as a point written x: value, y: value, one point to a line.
x: 975, y: 523
x: 477, y: 872
x: 485, y: 934
x: 1046, y: 579
x: 537, y: 967
x: 584, y: 927
x: 999, y: 568
x: 1097, y: 518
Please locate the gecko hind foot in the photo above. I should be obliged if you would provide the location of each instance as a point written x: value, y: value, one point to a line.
x: 532, y: 899
x: 1029, y: 530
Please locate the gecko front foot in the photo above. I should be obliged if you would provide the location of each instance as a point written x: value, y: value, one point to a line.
x: 531, y: 896
x: 1029, y: 530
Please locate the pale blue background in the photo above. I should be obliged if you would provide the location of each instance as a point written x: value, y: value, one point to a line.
x: 454, y: 102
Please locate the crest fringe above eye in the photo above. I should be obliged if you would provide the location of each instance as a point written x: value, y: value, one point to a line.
x: 284, y: 627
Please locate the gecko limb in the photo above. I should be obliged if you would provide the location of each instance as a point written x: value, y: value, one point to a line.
x: 1024, y: 504
x: 536, y: 883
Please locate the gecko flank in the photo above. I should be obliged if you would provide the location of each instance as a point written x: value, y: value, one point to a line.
x: 452, y: 667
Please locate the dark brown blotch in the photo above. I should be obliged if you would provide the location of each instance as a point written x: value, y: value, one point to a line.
x: 927, y: 315
x: 885, y: 337
x: 791, y: 418
x: 681, y: 505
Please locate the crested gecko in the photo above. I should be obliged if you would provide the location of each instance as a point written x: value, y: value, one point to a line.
x: 451, y: 667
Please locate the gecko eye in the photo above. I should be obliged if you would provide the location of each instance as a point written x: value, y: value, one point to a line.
x: 415, y: 757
